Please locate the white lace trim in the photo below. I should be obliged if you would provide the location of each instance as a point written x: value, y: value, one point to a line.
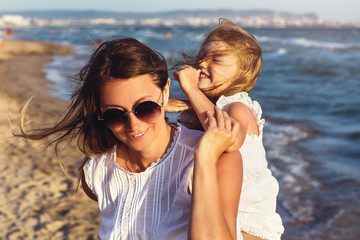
x: 260, y: 226
x: 243, y: 97
x: 89, y: 164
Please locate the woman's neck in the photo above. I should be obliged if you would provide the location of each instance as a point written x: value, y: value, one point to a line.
x: 139, y: 161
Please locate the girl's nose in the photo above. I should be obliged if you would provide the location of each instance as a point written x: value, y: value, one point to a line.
x: 204, y: 64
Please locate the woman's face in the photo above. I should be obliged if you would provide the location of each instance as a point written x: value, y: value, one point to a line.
x: 126, y: 94
x: 219, y: 71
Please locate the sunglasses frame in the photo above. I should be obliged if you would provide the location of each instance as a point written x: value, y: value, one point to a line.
x: 101, y: 118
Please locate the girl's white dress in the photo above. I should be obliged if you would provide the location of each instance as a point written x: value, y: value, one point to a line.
x: 257, y: 207
x: 154, y: 204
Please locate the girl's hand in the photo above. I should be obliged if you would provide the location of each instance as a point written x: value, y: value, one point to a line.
x: 176, y: 105
x: 188, y: 77
x: 221, y: 135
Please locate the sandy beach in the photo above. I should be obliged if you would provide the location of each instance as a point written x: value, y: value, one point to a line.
x: 39, y: 200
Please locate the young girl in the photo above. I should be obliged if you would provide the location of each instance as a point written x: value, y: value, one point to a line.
x: 138, y: 166
x: 224, y: 70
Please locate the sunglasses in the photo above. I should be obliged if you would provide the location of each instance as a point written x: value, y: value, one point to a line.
x: 147, y: 111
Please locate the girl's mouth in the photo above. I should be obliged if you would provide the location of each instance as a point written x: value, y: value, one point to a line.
x: 203, y: 75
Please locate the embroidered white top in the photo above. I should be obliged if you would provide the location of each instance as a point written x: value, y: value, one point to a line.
x: 257, y: 207
x: 154, y: 204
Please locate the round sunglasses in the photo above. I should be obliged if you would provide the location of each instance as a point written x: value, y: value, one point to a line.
x: 147, y: 111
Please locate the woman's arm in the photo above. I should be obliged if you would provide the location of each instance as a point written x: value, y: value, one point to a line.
x: 217, y: 182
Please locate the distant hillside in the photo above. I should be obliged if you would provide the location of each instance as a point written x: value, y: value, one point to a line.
x: 245, y: 18
x: 87, y: 14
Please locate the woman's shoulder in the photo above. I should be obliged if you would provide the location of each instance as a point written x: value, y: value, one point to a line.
x: 96, y: 159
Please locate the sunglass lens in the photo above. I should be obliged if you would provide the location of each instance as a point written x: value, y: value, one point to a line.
x: 148, y: 111
x: 114, y: 117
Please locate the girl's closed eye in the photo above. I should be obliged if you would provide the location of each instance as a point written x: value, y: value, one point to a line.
x: 216, y: 60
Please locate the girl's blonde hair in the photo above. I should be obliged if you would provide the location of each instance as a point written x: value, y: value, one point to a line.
x: 243, y: 45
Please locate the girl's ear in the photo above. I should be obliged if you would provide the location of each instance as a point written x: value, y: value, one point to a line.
x: 166, y: 92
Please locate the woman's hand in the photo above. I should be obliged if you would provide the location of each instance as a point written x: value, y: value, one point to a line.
x: 219, y: 137
x: 217, y: 180
x: 177, y: 105
x: 236, y: 145
x: 188, y: 77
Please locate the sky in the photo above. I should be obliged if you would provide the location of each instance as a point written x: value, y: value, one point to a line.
x: 336, y: 10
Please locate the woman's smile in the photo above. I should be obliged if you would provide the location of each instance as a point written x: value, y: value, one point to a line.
x: 141, y: 135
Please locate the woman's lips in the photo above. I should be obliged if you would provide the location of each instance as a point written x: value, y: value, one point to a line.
x: 139, y: 135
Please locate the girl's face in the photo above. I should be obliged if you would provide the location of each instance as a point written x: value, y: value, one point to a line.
x: 217, y: 72
x: 126, y: 94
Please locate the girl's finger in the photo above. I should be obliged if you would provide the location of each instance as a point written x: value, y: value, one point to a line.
x: 176, y: 75
x: 182, y: 67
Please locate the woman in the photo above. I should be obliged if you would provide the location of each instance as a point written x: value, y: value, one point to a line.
x: 152, y: 179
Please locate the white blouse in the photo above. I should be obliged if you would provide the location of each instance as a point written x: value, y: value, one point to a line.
x: 154, y: 204
x: 257, y: 207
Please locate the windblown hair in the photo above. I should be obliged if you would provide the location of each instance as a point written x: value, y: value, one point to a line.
x: 243, y: 45
x: 112, y: 61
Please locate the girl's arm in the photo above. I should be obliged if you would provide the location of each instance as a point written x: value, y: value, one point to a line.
x: 188, y: 79
x: 217, y: 182
x: 177, y: 105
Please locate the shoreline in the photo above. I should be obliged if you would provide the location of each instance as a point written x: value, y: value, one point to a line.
x: 40, y: 200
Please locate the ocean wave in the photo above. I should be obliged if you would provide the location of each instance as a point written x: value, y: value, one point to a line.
x: 148, y: 33
x: 304, y: 42
x: 291, y: 168
x: 276, y: 53
x: 263, y: 39
x: 308, y: 43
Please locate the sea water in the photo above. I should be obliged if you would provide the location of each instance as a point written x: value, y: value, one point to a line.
x: 309, y: 89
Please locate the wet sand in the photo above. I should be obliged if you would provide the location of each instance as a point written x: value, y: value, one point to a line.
x: 39, y: 200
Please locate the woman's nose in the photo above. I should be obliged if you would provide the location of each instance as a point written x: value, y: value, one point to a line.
x: 133, y: 121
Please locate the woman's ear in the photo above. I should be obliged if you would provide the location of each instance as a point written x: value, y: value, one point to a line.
x: 166, y: 92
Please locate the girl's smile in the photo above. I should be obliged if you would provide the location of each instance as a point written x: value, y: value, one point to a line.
x: 217, y: 72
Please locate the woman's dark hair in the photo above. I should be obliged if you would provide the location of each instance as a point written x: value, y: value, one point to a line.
x: 113, y: 60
